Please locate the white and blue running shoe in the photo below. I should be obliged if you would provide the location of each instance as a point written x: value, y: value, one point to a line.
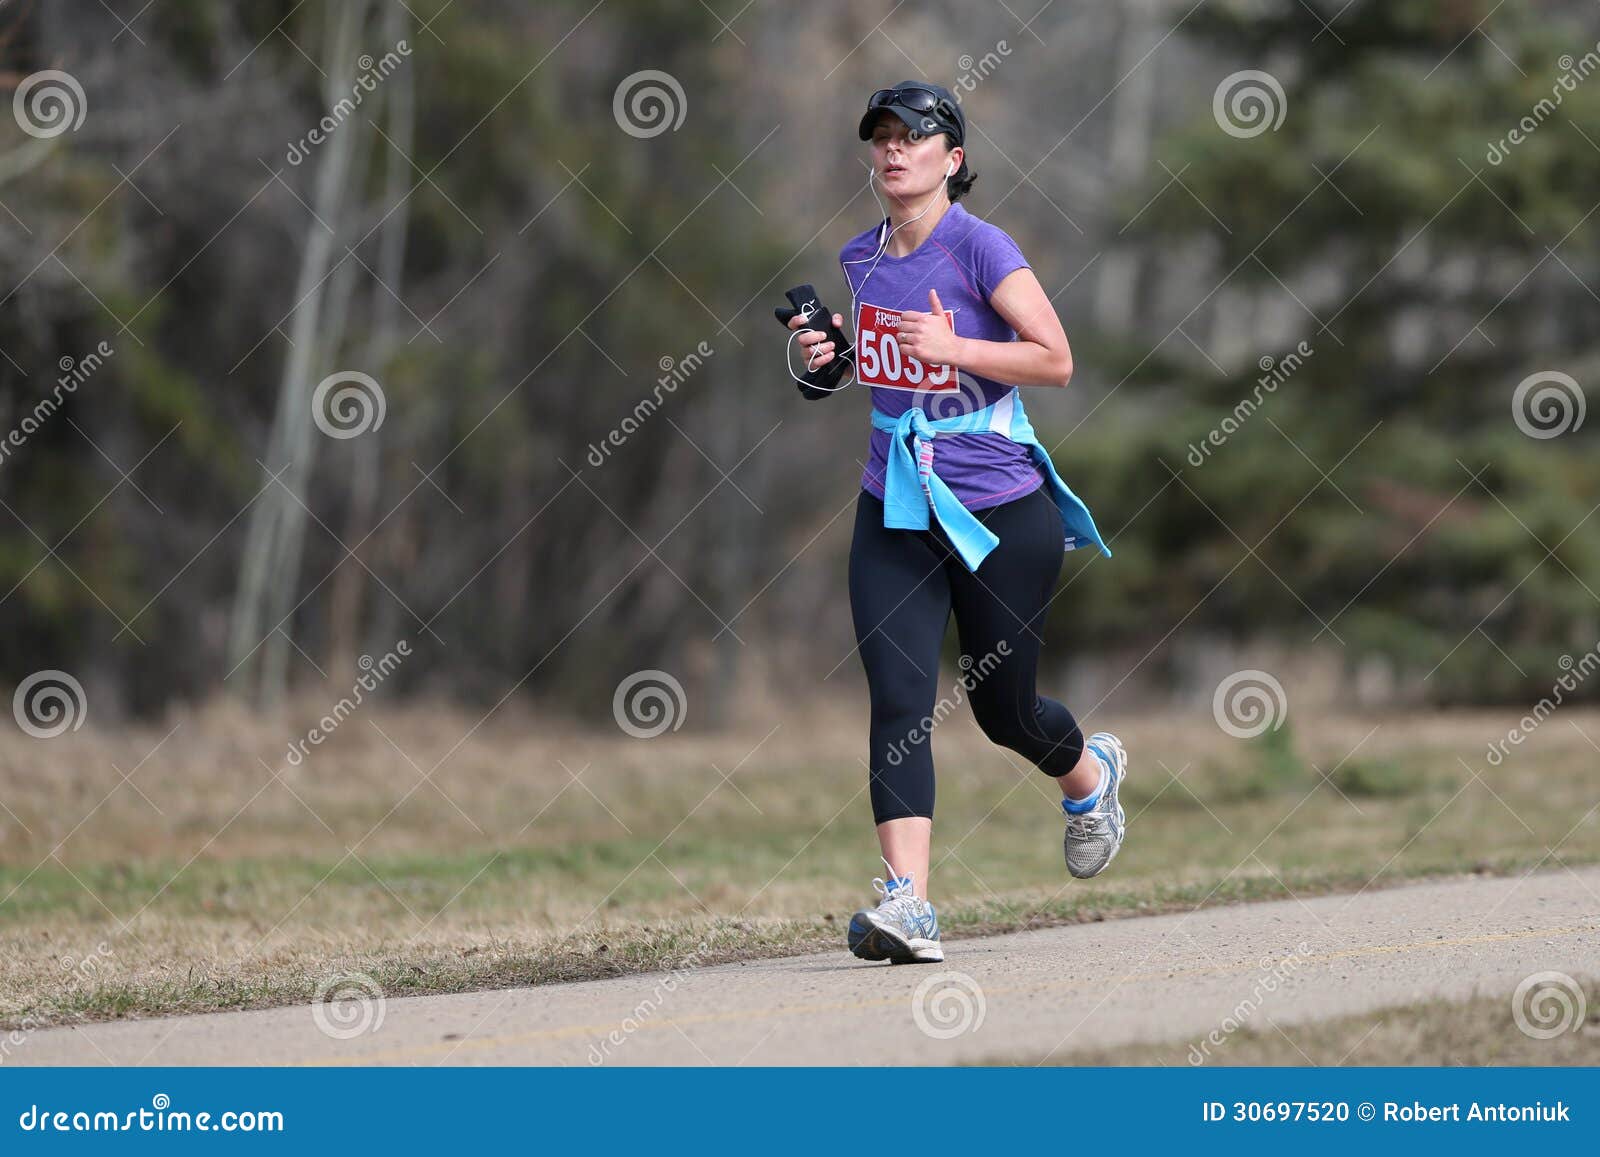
x: 1095, y: 825
x: 902, y: 929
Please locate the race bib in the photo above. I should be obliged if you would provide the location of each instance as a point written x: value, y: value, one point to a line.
x: 880, y: 362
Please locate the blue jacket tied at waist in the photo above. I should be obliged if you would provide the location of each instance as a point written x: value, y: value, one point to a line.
x: 911, y: 488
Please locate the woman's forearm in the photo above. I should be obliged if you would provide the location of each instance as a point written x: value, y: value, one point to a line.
x: 1017, y: 363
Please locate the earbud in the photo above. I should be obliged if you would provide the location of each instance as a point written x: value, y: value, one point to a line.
x: 950, y: 169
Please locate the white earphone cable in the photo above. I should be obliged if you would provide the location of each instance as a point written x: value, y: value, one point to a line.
x: 856, y: 290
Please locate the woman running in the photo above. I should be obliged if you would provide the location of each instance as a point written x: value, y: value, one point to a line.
x: 961, y: 509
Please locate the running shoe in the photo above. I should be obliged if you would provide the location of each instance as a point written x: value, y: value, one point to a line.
x: 902, y: 929
x: 1095, y: 826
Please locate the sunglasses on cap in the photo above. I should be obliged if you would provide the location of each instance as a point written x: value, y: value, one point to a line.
x: 917, y: 99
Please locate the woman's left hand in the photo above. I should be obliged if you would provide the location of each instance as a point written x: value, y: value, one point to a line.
x: 928, y: 336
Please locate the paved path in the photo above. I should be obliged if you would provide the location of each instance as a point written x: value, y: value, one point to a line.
x: 1017, y: 997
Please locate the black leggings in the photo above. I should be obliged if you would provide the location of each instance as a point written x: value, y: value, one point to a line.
x: 903, y: 586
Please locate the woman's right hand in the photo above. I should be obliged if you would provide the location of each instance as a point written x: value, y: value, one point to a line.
x: 816, y: 347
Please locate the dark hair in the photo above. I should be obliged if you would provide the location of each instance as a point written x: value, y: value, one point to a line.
x: 958, y: 186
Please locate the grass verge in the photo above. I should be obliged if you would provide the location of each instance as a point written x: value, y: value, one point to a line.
x: 212, y: 876
x: 1480, y: 1031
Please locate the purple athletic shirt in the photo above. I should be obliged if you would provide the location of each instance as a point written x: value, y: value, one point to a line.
x: 964, y: 258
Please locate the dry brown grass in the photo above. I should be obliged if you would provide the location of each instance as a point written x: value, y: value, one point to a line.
x: 1480, y: 1031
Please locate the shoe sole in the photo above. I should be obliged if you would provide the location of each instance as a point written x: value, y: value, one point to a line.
x: 869, y: 940
x: 1120, y: 754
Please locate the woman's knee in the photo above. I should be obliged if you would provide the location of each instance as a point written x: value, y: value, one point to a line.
x: 899, y: 735
x: 1052, y: 741
x: 900, y: 697
x: 1000, y: 718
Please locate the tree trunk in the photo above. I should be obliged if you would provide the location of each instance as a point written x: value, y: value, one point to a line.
x: 258, y: 641
x: 1128, y: 154
x: 350, y: 583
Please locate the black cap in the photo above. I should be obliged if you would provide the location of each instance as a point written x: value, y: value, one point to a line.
x: 940, y: 111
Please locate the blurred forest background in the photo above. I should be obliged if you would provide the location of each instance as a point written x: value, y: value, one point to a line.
x: 485, y: 239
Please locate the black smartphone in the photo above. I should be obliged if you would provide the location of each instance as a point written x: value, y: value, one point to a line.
x: 823, y: 380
